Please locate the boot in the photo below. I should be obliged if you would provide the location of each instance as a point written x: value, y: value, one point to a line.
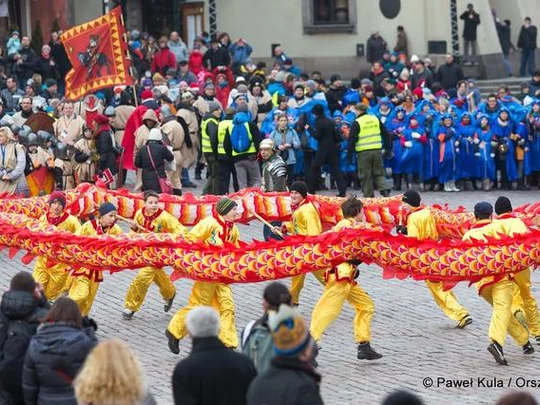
x: 174, y: 343
x: 366, y: 352
x: 522, y: 186
x: 453, y: 186
x: 127, y: 314
x: 168, y: 303
x: 469, y: 185
x: 528, y: 348
x: 177, y: 191
x: 496, y: 351
x: 447, y: 187
x: 486, y: 185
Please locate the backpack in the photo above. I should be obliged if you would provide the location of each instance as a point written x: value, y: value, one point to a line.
x: 258, y: 345
x: 240, y: 139
x: 15, y: 336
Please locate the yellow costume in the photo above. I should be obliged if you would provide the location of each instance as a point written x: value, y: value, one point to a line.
x: 523, y: 297
x: 84, y: 288
x: 421, y: 225
x: 211, y: 231
x: 160, y: 222
x: 53, y: 278
x: 305, y: 221
x: 498, y: 292
x: 341, y: 286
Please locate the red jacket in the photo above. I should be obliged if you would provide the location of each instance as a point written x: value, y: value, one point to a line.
x: 196, y: 62
x: 163, y: 61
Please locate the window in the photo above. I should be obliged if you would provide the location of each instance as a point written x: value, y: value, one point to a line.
x: 329, y: 16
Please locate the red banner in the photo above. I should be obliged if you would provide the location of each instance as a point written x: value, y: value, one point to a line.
x: 98, y: 53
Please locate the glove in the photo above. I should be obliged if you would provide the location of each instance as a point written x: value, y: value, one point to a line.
x: 355, y: 262
x: 408, y: 144
x: 456, y: 143
x: 492, y: 155
x: 521, y: 142
x: 457, y: 150
x: 416, y: 135
x: 402, y: 229
x: 526, y: 149
x: 476, y: 141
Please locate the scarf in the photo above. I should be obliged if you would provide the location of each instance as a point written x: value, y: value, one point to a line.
x: 55, y: 221
x: 148, y: 219
x: 226, y: 228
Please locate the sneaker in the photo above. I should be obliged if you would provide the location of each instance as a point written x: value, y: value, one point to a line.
x: 385, y: 193
x: 174, y: 343
x: 168, y: 303
x: 189, y: 185
x: 497, y: 352
x: 466, y: 320
x: 127, y: 314
x: 528, y: 348
x: 366, y: 352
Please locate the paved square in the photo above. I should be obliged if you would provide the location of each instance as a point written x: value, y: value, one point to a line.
x: 418, y: 342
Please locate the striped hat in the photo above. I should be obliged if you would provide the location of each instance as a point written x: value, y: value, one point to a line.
x: 225, y: 205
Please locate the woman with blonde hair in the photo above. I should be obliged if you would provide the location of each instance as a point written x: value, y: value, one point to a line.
x: 112, y: 375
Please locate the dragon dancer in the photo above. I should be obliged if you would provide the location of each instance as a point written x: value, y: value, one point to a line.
x: 53, y: 277
x: 215, y: 230
x: 421, y: 225
x: 85, y: 283
x: 340, y: 287
x: 154, y: 219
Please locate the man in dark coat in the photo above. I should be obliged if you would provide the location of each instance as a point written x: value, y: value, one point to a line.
x: 335, y: 93
x: 22, y: 309
x: 527, y: 43
x: 471, y: 21
x: 376, y: 47
x: 449, y: 75
x: 291, y: 378
x: 151, y: 159
x: 212, y: 374
x: 216, y: 55
x: 504, y: 34
x: 328, y: 152
x: 25, y: 62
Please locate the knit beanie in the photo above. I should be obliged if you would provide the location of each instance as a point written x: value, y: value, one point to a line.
x: 225, y: 205
x: 503, y: 205
x: 106, y: 208
x: 412, y: 198
x: 289, y: 331
x: 300, y: 187
x: 59, y: 197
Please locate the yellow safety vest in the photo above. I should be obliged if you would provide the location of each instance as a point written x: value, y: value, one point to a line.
x: 251, y: 145
x: 223, y: 127
x: 206, y: 144
x: 369, y: 137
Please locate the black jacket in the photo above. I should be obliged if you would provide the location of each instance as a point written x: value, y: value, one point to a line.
x: 27, y: 68
x: 44, y: 68
x: 325, y: 133
x: 212, y: 375
x: 160, y: 153
x: 214, y: 58
x: 58, y: 52
x: 107, y: 155
x: 20, y: 308
x: 287, y: 382
x: 55, y: 355
x: 333, y: 97
x: 527, y: 37
x: 376, y: 47
x: 470, y: 24
x: 503, y: 32
x: 449, y: 75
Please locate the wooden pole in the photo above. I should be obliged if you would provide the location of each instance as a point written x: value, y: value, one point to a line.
x: 264, y: 221
x: 131, y: 222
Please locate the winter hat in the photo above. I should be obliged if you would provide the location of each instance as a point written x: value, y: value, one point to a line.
x: 163, y: 89
x: 240, y: 79
x: 242, y: 88
x: 483, y: 208
x: 300, y: 187
x: 412, y: 198
x: 503, y: 205
x: 155, y: 135
x: 106, y: 208
x: 355, y: 84
x: 109, y: 111
x: 280, y: 77
x: 50, y: 83
x: 170, y: 72
x: 187, y: 96
x: 213, y: 106
x: 310, y: 84
x: 366, y: 82
x: 59, y: 197
x: 225, y: 205
x: 209, y: 85
x: 415, y: 58
x: 289, y: 331
x: 267, y: 144
x: 299, y: 85
x: 147, y: 95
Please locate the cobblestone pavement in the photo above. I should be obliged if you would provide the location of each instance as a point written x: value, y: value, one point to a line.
x: 418, y: 342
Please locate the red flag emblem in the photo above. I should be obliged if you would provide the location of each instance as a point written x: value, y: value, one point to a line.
x: 98, y: 53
